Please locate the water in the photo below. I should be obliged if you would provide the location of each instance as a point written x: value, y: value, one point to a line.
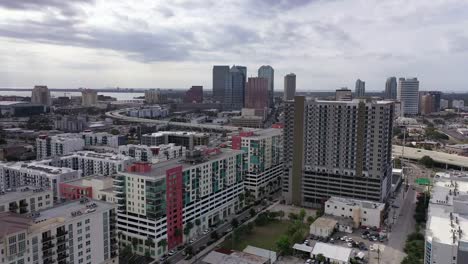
x: 118, y: 96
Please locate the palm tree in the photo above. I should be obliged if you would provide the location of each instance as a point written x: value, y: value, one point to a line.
x: 149, y: 243
x: 134, y: 242
x: 198, y: 223
x: 187, y: 228
x: 163, y: 243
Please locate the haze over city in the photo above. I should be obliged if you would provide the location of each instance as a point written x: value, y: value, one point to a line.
x: 174, y: 44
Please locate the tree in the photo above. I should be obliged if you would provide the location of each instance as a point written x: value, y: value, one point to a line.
x: 126, y: 251
x: 198, y: 223
x: 149, y: 243
x: 281, y: 214
x: 293, y: 216
x: 187, y: 228
x: 189, y: 250
x: 134, y: 242
x: 241, y: 197
x: 283, y: 244
x: 252, y: 212
x: 214, y: 235
x: 427, y: 161
x: 114, y: 131
x: 302, y: 215
x: 310, y: 219
x: 320, y: 257
x: 163, y: 243
x: 177, y: 232
x: 234, y: 223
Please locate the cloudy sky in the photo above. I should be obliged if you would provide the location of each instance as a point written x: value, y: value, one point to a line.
x: 175, y: 43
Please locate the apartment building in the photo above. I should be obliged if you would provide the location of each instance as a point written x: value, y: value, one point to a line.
x: 264, y: 152
x: 103, y: 139
x: 154, y: 111
x: 363, y: 213
x: 156, y: 202
x: 58, y: 145
x: 75, y: 232
x: 92, y: 163
x: 447, y: 222
x: 337, y: 148
x: 18, y: 174
x: 153, y: 154
x: 26, y: 199
x: 186, y: 139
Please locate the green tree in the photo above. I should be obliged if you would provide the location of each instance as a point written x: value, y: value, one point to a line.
x: 281, y: 214
x: 114, y: 131
x: 163, y: 243
x: 302, y: 215
x: 134, y: 242
x: 320, y: 257
x: 198, y: 223
x: 189, y: 250
x: 283, y: 244
x: 310, y: 219
x: 234, y: 223
x: 252, y: 212
x: 149, y: 243
x: 427, y: 161
x: 293, y: 216
x: 187, y: 228
x: 214, y: 235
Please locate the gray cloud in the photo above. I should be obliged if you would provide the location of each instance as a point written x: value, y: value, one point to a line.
x: 66, y: 7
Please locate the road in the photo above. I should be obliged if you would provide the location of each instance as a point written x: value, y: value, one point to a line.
x: 118, y: 115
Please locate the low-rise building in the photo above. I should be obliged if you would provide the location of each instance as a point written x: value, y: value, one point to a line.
x: 460, y: 149
x: 323, y: 226
x: 179, y: 138
x: 58, y: 145
x: 363, y: 213
x: 154, y: 111
x: 153, y: 154
x: 157, y: 201
x: 264, y: 151
x: 447, y: 222
x: 75, y: 232
x: 92, y: 163
x: 26, y: 199
x: 17, y: 174
x: 332, y: 253
x: 227, y: 256
x: 247, y: 121
x: 95, y: 187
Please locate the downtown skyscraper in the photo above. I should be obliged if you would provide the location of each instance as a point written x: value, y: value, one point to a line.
x: 391, y: 88
x: 337, y: 148
x: 408, y: 95
x: 220, y: 75
x: 256, y: 93
x: 360, y: 89
x: 267, y: 72
x: 289, y: 86
x: 234, y: 88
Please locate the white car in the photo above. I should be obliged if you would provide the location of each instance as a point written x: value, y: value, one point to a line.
x: 350, y: 245
x: 349, y: 239
x: 206, y: 231
x: 308, y: 261
x: 191, y: 241
x: 343, y: 238
x: 306, y: 242
x: 172, y: 252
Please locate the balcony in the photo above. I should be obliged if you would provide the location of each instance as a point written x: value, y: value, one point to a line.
x: 61, y: 248
x: 61, y: 240
x: 48, y: 254
x: 62, y: 257
x: 47, y: 246
x: 61, y: 233
x: 48, y: 261
x: 46, y: 239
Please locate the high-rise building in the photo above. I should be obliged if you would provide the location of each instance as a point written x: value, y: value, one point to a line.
x: 160, y: 200
x: 194, y: 95
x: 220, y: 76
x: 391, y: 88
x: 289, y: 86
x: 408, y: 95
x: 343, y: 94
x: 444, y: 104
x: 155, y: 96
x: 360, y: 89
x: 267, y: 72
x: 88, y: 97
x: 234, y: 93
x: 58, y: 145
x: 41, y: 95
x: 256, y: 93
x: 436, y: 97
x: 73, y: 232
x: 337, y: 148
x: 153, y: 154
x: 264, y: 151
x: 426, y: 104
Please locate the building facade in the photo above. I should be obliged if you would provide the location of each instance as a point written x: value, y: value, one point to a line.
x: 88, y: 97
x: 187, y: 139
x: 153, y: 154
x: 158, y: 201
x: 264, y: 152
x: 234, y: 93
x: 41, y: 95
x: 103, y: 139
x: 363, y: 213
x: 155, y: 96
x: 26, y: 199
x: 337, y: 148
x: 220, y: 76
x: 343, y: 94
x: 267, y: 72
x: 73, y: 232
x: 360, y: 88
x: 408, y: 95
x: 58, y: 145
x: 391, y: 88
x: 256, y: 93
x: 194, y: 95
x: 289, y: 86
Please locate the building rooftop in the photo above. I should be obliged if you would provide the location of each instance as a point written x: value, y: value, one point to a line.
x: 233, y: 257
x: 333, y: 252
x: 325, y: 222
x: 85, y: 181
x: 354, y: 101
x: 96, y: 155
x: 355, y: 202
x: 178, y: 133
x: 10, y: 103
x: 159, y: 169
x: 13, y: 223
x: 440, y: 157
x: 38, y: 167
x: 445, y: 218
x: 20, y: 193
x: 64, y: 211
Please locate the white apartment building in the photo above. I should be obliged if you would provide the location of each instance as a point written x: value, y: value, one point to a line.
x: 447, y: 222
x: 154, y: 111
x: 58, y: 145
x: 363, y: 213
x: 156, y: 200
x: 264, y: 152
x: 103, y: 139
x: 17, y: 174
x: 75, y: 232
x: 153, y: 154
x: 408, y: 95
x: 26, y: 199
x: 92, y: 163
x: 179, y: 138
x: 458, y: 104
x: 337, y: 148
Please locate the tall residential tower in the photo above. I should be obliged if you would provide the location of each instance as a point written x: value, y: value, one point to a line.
x: 391, y: 88
x: 408, y: 95
x: 289, y: 86
x: 360, y: 89
x: 267, y: 72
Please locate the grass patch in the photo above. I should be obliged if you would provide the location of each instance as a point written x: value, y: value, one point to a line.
x: 261, y: 236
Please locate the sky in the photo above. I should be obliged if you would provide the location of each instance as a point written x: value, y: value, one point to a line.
x: 175, y: 43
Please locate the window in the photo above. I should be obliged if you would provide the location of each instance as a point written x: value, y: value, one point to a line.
x: 87, y: 221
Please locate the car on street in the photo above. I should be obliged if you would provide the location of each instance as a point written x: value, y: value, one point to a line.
x: 343, y: 238
x: 163, y: 258
x: 229, y: 229
x: 306, y: 242
x: 206, y: 231
x: 308, y: 261
x: 349, y: 245
x: 191, y: 241
x: 172, y: 252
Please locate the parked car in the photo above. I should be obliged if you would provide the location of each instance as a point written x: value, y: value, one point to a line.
x: 172, y: 252
x: 349, y: 245
x: 343, y: 238
x: 191, y: 241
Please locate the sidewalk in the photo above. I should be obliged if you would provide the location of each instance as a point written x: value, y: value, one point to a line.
x: 208, y: 249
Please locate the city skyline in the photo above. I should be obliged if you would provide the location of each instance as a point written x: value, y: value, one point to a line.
x: 65, y: 44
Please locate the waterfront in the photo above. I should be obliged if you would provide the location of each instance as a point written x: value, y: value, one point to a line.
x: 118, y: 96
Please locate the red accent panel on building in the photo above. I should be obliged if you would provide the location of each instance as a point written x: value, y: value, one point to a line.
x: 277, y: 125
x: 174, y: 206
x: 236, y: 142
x: 141, y: 167
x: 73, y: 192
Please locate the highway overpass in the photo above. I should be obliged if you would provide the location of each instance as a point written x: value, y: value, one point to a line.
x: 445, y: 159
